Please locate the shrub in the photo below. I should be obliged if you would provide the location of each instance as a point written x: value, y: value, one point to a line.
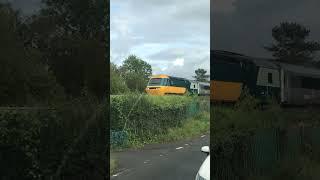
x: 69, y: 141
x: 142, y: 116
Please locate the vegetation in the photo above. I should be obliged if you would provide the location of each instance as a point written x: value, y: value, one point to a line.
x: 118, y: 84
x: 131, y: 76
x: 41, y: 142
x: 240, y: 133
x: 141, y: 118
x: 53, y: 91
x: 113, y: 165
x: 290, y: 44
x: 201, y: 75
x: 194, y: 126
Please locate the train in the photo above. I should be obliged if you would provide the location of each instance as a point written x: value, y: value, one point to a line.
x: 163, y: 84
x: 200, y: 88
x: 288, y: 83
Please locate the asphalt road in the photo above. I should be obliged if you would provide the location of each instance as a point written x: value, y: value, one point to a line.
x: 174, y: 161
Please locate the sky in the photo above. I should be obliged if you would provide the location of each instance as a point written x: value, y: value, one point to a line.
x: 245, y: 26
x: 173, y: 36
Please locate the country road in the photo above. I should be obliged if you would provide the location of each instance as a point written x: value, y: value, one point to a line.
x: 174, y: 161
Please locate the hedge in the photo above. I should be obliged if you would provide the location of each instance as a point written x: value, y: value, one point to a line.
x: 69, y: 142
x: 143, y: 116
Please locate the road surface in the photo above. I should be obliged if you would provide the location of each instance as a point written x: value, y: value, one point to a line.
x: 174, y: 161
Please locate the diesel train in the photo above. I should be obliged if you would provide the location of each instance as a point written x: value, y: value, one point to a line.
x: 289, y: 84
x: 168, y: 85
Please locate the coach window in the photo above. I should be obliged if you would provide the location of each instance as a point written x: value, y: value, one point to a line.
x: 270, y: 78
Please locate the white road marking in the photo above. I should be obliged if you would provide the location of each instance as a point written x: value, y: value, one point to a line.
x: 121, y: 172
x: 161, y: 155
x: 146, y: 161
x: 179, y: 147
x: 186, y: 144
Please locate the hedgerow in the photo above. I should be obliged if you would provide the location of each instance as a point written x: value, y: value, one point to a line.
x: 142, y: 116
x: 66, y: 142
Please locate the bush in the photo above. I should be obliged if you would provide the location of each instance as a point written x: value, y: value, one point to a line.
x: 69, y: 141
x: 143, y: 116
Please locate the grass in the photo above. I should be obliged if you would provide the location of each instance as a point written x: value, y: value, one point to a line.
x: 113, y: 165
x: 192, y: 127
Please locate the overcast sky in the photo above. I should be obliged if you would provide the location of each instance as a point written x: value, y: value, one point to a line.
x: 245, y: 25
x: 171, y: 35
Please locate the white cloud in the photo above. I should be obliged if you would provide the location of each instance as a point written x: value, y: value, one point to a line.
x: 178, y: 62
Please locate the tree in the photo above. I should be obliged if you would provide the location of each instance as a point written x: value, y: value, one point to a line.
x: 134, y: 64
x: 24, y: 79
x: 291, y: 45
x: 201, y: 75
x: 136, y: 73
x: 71, y: 37
x: 118, y: 84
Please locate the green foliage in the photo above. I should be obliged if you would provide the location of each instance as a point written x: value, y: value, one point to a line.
x: 68, y: 141
x: 291, y: 45
x: 143, y: 117
x: 46, y: 58
x: 113, y: 166
x: 24, y: 79
x: 136, y: 65
x: 247, y: 102
x: 136, y: 73
x: 233, y: 127
x: 201, y: 75
x: 118, y: 84
x: 192, y: 127
x: 20, y: 142
x: 85, y: 17
x: 73, y: 48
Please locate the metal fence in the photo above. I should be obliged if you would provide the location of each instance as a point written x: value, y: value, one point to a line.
x: 259, y: 154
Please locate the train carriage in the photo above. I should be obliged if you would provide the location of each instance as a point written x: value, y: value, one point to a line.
x: 167, y: 85
x: 290, y: 84
x: 300, y: 85
x: 200, y: 88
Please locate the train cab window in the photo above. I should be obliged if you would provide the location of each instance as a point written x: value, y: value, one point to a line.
x: 155, y: 82
x: 270, y: 78
x: 167, y: 83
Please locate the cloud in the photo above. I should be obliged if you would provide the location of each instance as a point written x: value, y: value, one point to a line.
x: 178, y: 62
x: 162, y: 33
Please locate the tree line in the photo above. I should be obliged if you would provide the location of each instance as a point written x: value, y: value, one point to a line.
x: 57, y: 54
